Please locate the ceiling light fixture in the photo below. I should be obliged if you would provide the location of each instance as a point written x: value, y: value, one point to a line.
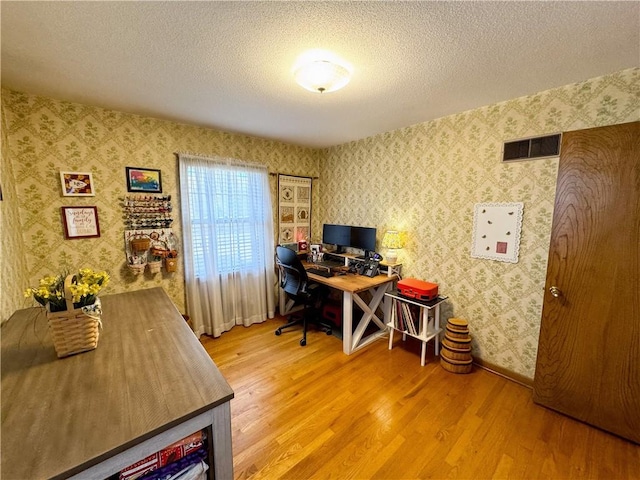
x: 321, y: 76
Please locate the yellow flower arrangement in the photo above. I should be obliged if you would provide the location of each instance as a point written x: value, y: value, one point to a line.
x: 84, y: 287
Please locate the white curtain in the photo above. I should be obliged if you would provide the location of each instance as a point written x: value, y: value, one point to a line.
x: 227, y: 223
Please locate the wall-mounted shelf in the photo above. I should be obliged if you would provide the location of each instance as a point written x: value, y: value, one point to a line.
x: 149, y: 241
x: 147, y: 211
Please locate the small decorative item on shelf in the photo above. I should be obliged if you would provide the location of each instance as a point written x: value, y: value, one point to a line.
x: 73, y: 309
x: 171, y: 262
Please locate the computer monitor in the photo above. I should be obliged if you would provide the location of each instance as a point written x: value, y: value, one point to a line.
x: 343, y: 236
x: 363, y: 238
x: 338, y: 235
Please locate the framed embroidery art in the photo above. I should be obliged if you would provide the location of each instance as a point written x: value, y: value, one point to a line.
x: 294, y: 208
x: 77, y: 184
x: 496, y: 231
x: 80, y: 222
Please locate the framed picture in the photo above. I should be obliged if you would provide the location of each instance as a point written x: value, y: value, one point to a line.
x: 496, y: 231
x: 144, y: 180
x: 77, y: 184
x: 80, y: 222
x: 294, y: 208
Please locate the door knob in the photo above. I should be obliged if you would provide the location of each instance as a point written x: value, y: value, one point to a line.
x: 555, y: 291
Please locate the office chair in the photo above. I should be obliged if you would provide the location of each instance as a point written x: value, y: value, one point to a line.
x: 295, y: 282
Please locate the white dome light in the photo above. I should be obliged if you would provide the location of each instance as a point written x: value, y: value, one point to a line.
x: 322, y: 76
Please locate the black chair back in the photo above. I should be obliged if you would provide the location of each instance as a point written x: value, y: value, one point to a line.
x: 293, y: 278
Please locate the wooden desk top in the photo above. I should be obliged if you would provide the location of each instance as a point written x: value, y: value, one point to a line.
x: 61, y: 416
x: 351, y: 282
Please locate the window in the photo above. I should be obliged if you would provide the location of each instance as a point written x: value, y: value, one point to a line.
x: 229, y: 209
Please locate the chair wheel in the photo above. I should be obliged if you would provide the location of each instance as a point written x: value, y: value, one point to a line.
x: 329, y: 332
x: 303, y: 342
x: 278, y: 332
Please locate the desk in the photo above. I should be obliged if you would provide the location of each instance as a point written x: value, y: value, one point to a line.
x: 352, y: 286
x: 148, y: 384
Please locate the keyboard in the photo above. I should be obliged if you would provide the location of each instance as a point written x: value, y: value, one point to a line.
x: 320, y: 271
x: 330, y: 263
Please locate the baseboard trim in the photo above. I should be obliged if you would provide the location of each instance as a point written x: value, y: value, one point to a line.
x: 503, y: 372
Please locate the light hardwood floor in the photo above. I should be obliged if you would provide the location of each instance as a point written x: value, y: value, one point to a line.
x: 313, y: 412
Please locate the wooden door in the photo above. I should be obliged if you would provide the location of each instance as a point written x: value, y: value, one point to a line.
x: 588, y: 364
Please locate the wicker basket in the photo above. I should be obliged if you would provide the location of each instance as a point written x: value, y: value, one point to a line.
x: 458, y: 322
x: 155, y: 267
x: 457, y: 334
x: 453, y: 353
x: 171, y: 264
x: 457, y: 328
x: 75, y: 330
x: 159, y: 252
x: 140, y: 244
x: 137, y: 268
x: 457, y: 342
x: 456, y: 366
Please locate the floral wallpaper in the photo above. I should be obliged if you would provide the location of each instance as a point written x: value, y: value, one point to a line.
x: 426, y: 179
x: 43, y: 136
x: 13, y: 274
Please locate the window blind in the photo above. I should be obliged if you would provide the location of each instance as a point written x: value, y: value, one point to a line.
x: 227, y: 216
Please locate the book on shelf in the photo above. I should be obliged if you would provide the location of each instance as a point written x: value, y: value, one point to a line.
x: 399, y: 323
x: 405, y: 317
x: 392, y: 316
x: 415, y: 317
x: 408, y: 319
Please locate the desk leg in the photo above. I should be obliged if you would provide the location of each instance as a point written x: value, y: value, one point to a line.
x: 351, y: 340
x: 347, y: 321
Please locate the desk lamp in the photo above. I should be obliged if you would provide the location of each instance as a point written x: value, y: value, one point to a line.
x: 393, y: 240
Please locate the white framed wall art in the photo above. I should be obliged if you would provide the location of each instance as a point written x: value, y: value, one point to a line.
x: 496, y: 231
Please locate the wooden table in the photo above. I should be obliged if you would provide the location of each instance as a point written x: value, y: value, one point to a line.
x: 352, y: 287
x: 148, y: 384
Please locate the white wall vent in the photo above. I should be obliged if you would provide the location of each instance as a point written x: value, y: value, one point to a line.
x: 531, y: 148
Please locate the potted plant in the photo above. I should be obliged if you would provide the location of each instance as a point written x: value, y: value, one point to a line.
x: 73, y: 308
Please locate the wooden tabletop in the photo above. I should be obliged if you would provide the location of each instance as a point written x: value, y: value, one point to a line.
x: 60, y: 416
x: 352, y: 282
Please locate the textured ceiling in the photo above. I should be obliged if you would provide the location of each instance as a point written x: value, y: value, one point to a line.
x: 227, y: 65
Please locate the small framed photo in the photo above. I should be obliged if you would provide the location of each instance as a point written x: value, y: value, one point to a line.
x: 144, y: 180
x: 77, y: 184
x: 80, y: 222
